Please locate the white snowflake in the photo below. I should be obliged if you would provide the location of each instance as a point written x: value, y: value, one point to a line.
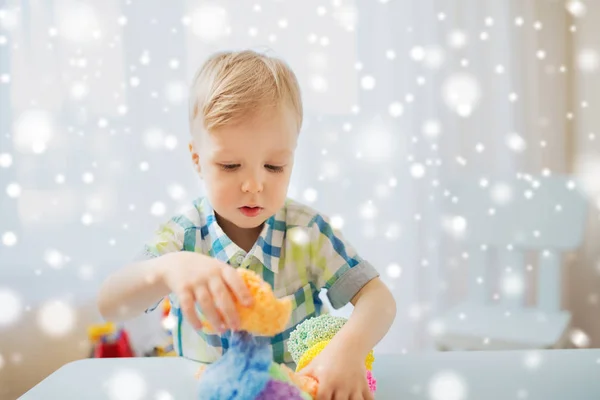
x: 515, y: 142
x: 210, y: 22
x: 9, y: 239
x: 55, y: 258
x: 145, y: 57
x: 299, y: 236
x: 13, y: 190
x: 512, y: 285
x: 541, y: 54
x: 501, y: 193
x: 579, y: 338
x: 396, y: 109
x: 587, y: 169
x: 436, y: 328
x: 87, y: 219
x: 79, y: 90
x: 457, y: 39
x: 447, y: 385
x: 283, y: 23
x: 417, y: 53
x: 533, y: 359
x: 417, y: 170
x: 431, y: 129
x: 318, y: 83
x: 176, y: 92
x: 154, y: 138
x: 434, y: 57
x: 367, y: 82
x: 176, y: 191
x: 11, y: 308
x: 337, y: 222
x: 33, y: 130
x: 310, y: 195
x: 87, y: 177
x: 56, y: 318
x: 394, y: 271
x: 461, y: 93
x: 588, y: 60
x: 78, y: 22
x: 376, y: 145
x: 171, y: 142
x: 368, y: 210
x: 126, y: 384
x: 158, y: 209
x: 577, y: 8
x: 86, y: 272
x: 346, y: 16
x: 134, y: 81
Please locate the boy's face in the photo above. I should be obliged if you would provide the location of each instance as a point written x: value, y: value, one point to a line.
x: 247, y: 167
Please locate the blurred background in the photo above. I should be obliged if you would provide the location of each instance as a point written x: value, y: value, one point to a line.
x: 407, y: 104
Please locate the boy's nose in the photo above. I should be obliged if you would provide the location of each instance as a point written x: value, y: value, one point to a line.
x: 252, y: 185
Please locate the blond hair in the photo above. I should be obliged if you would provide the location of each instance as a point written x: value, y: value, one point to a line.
x: 231, y: 85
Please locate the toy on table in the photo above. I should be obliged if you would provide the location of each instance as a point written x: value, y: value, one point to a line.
x: 167, y: 348
x: 108, y: 341
x: 246, y: 371
x: 168, y: 323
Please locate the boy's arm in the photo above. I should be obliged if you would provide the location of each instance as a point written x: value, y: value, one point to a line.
x: 365, y: 327
x: 139, y: 286
x: 129, y: 291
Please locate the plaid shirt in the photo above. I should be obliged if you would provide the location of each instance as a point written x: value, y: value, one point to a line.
x: 298, y: 253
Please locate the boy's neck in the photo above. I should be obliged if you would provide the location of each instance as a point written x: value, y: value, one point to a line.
x: 243, y: 237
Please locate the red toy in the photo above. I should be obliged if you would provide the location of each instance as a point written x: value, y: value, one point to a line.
x: 109, y: 342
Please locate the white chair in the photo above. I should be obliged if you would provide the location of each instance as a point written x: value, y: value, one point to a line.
x: 542, y: 215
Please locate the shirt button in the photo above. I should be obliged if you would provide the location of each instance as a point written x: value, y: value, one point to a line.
x: 240, y: 259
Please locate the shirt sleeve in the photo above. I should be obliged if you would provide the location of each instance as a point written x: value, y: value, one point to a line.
x: 336, y: 266
x: 168, y: 238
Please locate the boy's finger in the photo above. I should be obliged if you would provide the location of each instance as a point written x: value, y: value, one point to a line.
x: 357, y: 396
x: 207, y: 306
x: 188, y: 308
x: 237, y: 286
x: 341, y: 395
x: 324, y: 394
x: 224, y: 302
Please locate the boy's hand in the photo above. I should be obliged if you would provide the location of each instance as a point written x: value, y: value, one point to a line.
x: 341, y: 375
x: 196, y: 278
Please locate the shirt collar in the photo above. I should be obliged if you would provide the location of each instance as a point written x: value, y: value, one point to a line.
x: 267, y: 249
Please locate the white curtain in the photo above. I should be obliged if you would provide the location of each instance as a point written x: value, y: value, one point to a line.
x: 484, y: 89
x: 402, y: 97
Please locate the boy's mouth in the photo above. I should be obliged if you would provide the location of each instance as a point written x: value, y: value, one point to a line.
x: 250, y: 211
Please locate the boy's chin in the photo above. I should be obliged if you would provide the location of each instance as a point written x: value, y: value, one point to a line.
x: 249, y: 223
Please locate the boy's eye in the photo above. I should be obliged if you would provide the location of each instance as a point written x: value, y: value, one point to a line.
x: 229, y: 167
x: 274, y: 168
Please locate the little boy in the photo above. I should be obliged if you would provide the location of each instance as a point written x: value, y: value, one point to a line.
x: 245, y: 117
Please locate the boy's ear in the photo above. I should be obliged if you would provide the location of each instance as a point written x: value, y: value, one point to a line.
x: 195, y: 157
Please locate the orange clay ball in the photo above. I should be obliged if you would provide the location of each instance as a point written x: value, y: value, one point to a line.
x: 267, y: 316
x: 306, y: 383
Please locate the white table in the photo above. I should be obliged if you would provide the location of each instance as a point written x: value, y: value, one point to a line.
x: 485, y: 375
